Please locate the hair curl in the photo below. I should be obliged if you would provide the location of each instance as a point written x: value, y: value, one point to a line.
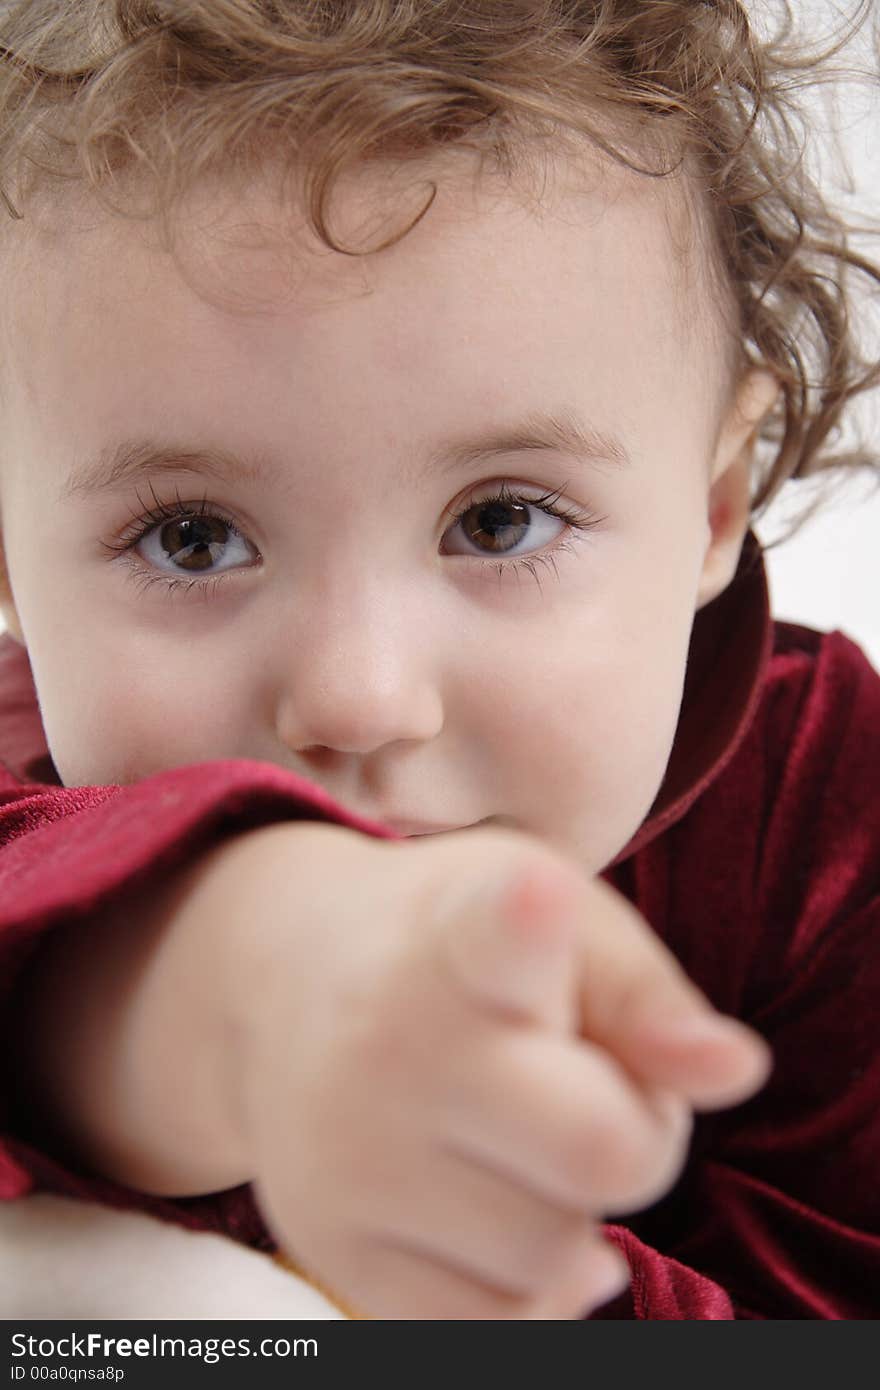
x: 174, y: 90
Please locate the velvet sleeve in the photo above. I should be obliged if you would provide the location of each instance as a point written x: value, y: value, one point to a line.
x: 769, y: 893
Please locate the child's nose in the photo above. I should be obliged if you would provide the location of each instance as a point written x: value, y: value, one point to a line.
x: 355, y: 692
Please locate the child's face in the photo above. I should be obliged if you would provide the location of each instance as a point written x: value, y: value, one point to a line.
x: 358, y: 637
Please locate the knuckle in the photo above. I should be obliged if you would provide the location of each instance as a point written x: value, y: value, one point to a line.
x: 653, y: 1164
x: 591, y: 1280
x: 579, y: 1163
x: 592, y: 1276
x: 615, y: 1162
x: 541, y: 1256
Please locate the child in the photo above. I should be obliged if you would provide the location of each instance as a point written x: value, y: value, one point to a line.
x: 417, y: 834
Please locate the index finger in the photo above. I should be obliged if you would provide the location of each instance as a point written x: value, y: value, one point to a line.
x: 547, y: 944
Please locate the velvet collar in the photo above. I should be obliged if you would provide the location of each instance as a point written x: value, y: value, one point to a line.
x: 730, y: 648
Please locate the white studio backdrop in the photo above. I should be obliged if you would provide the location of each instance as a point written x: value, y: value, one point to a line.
x: 828, y: 574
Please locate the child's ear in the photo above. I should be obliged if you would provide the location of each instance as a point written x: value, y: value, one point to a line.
x: 7, y: 602
x: 729, y: 499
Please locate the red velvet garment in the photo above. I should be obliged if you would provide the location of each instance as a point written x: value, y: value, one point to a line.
x: 759, y: 865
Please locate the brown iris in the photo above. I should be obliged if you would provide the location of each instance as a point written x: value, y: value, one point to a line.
x: 489, y: 521
x: 191, y: 540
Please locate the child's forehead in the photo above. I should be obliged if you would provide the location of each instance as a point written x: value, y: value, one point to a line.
x: 398, y: 373
x: 373, y: 204
x: 245, y: 245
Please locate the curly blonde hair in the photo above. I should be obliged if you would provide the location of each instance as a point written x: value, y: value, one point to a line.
x: 175, y: 90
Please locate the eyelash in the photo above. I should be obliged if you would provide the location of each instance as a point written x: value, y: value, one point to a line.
x: 143, y: 522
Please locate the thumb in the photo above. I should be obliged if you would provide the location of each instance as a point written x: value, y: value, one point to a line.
x: 513, y: 945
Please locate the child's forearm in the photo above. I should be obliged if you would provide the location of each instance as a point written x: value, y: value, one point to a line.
x: 128, y: 1033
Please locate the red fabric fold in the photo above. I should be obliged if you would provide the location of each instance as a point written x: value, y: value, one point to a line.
x: 661, y: 1289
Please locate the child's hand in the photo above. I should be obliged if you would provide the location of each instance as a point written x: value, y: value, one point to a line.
x: 456, y: 1055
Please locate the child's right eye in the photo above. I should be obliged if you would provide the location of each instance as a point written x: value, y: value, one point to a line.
x: 193, y: 542
x: 190, y: 536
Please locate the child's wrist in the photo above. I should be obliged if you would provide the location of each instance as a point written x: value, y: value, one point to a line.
x: 263, y: 975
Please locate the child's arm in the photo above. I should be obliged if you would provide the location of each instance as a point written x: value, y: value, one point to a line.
x: 407, y: 1089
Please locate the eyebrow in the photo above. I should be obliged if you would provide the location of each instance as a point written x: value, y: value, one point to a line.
x: 123, y: 465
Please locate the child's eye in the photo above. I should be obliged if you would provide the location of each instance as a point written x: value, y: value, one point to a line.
x: 182, y: 544
x: 193, y: 543
x: 506, y: 524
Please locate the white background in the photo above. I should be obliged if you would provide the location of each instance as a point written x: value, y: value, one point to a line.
x: 828, y: 575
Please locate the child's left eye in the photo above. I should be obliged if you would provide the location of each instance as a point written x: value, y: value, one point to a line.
x: 505, y: 519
